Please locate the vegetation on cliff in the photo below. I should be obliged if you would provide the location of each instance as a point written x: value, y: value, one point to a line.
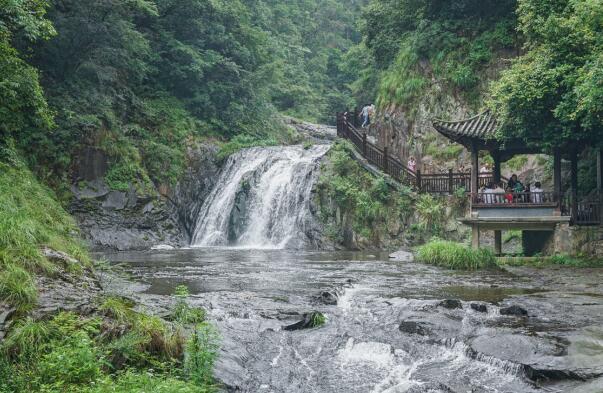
x: 351, y: 199
x: 427, y: 45
x: 114, y: 348
x: 30, y: 219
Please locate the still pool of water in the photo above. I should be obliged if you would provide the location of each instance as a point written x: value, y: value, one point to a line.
x: 251, y: 294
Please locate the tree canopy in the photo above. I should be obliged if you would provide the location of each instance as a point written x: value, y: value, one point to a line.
x: 140, y: 79
x: 553, y: 93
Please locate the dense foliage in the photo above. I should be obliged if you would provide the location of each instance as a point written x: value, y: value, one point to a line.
x: 118, y: 350
x: 418, y: 45
x: 142, y: 80
x: 553, y: 94
x: 351, y: 198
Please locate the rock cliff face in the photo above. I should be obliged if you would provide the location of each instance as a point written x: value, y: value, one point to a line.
x: 120, y: 220
x: 407, y: 129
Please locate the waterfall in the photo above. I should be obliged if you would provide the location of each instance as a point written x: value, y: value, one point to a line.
x: 261, y: 200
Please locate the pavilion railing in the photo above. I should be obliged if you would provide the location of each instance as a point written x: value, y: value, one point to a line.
x: 585, y: 212
x: 516, y: 199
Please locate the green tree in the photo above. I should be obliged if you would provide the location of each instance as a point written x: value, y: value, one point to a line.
x: 552, y: 94
x: 23, y: 106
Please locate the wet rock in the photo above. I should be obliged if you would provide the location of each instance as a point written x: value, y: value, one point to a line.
x: 514, y: 310
x: 402, y: 256
x: 451, y: 304
x: 6, y: 312
x: 430, y: 387
x: 59, y: 257
x: 412, y: 327
x: 479, y: 307
x: 538, y: 358
x: 116, y: 200
x: 90, y: 190
x: 329, y: 298
x: 311, y: 320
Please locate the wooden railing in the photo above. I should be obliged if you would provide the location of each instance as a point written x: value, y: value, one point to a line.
x: 515, y: 199
x: 371, y: 152
x: 434, y: 183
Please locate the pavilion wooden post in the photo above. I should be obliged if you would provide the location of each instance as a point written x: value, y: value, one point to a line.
x: 600, y: 183
x: 419, y: 185
x: 557, y: 177
x: 497, y: 177
x: 474, y: 190
x: 474, y: 170
x: 574, y: 182
x: 496, y: 174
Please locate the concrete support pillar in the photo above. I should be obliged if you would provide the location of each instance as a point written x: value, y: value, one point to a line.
x: 498, y: 243
x: 475, y: 236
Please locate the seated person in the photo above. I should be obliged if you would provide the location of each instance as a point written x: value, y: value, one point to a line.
x: 499, y: 193
x: 488, y: 195
x: 509, y: 195
x: 536, y: 193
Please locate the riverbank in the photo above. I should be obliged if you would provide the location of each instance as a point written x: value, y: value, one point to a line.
x: 59, y: 329
x: 390, y: 325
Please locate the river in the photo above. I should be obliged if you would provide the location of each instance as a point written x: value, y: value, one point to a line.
x: 251, y: 294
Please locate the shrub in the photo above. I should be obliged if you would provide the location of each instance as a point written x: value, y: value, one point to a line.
x: 73, y: 361
x: 201, y: 353
x: 26, y: 338
x: 132, y: 382
x: 431, y: 213
x: 455, y: 256
x: 183, y: 313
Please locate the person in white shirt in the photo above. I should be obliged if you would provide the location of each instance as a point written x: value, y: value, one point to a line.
x: 499, y: 193
x: 489, y: 193
x: 536, y: 193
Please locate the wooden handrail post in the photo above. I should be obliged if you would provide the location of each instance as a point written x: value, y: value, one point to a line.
x: 385, y: 159
x: 450, y: 181
x: 419, y: 180
x: 574, y: 183
x: 364, y: 144
x: 338, y: 122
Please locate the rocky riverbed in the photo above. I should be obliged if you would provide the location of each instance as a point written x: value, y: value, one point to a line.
x: 392, y: 326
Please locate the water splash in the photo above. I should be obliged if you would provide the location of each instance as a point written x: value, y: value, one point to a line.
x: 262, y: 199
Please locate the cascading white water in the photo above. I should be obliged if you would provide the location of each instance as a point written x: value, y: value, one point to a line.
x: 261, y: 199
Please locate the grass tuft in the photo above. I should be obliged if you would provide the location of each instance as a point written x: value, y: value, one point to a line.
x: 455, y: 256
x: 17, y: 287
x: 317, y: 319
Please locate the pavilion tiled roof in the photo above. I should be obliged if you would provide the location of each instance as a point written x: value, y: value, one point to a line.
x: 482, y: 126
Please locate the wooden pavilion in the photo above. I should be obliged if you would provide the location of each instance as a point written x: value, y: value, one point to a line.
x: 543, y: 213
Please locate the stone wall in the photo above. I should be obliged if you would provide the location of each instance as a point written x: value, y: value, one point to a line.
x: 576, y: 241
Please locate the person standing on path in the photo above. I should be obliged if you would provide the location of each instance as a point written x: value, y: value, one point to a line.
x: 412, y: 164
